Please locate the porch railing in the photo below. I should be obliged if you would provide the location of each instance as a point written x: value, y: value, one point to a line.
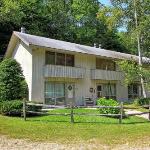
x: 63, y: 71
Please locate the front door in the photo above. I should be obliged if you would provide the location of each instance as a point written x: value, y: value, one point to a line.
x: 70, y: 93
x: 99, y: 91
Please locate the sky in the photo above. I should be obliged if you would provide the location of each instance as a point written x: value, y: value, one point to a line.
x: 106, y: 2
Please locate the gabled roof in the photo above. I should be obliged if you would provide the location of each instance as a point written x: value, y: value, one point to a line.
x: 66, y: 46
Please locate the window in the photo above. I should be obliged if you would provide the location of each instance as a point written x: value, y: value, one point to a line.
x: 62, y: 59
x: 133, y: 91
x: 109, y: 91
x: 50, y: 58
x: 55, y: 93
x: 69, y: 60
x: 104, y: 64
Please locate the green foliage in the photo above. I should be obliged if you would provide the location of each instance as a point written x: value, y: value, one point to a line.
x: 12, y: 84
x: 127, y: 19
x: 72, y: 20
x: 142, y: 101
x: 108, y: 102
x: 11, y: 108
x: 24, y: 90
x: 133, y: 72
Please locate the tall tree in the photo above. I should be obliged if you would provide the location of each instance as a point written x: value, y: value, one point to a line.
x: 110, y: 39
x: 70, y: 20
x: 136, y: 16
x: 127, y: 9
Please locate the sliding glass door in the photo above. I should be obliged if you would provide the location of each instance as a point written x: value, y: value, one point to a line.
x: 55, y: 93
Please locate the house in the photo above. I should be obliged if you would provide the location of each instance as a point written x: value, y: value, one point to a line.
x: 59, y: 72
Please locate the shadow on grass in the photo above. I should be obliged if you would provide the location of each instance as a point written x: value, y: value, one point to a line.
x: 87, y: 122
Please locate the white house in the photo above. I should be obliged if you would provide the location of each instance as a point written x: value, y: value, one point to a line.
x: 59, y: 72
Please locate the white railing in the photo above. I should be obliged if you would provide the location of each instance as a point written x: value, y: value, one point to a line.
x: 63, y: 71
x: 106, y: 75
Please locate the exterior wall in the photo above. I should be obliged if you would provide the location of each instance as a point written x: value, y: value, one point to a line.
x: 33, y: 63
x: 82, y: 88
x: 23, y: 55
x: 38, y: 75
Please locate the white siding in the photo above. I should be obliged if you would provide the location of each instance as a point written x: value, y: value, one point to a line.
x: 23, y: 55
x: 82, y: 87
x: 63, y: 71
x: 106, y: 74
x: 38, y: 75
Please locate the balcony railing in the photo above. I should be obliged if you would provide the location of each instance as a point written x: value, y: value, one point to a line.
x: 106, y: 75
x: 63, y: 71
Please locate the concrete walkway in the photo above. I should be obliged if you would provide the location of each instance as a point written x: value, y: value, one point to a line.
x: 129, y: 111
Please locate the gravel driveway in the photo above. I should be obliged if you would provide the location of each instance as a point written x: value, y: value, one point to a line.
x: 20, y: 144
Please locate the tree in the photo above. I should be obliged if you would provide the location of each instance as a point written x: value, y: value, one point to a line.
x: 69, y: 20
x: 12, y: 82
x: 133, y: 27
x: 133, y: 72
x: 111, y: 39
x: 135, y: 16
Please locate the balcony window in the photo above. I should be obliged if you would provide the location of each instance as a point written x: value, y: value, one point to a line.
x: 104, y: 64
x: 62, y: 59
x: 50, y: 58
x: 69, y: 60
x: 133, y: 91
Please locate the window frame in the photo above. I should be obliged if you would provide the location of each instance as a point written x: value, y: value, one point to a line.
x: 131, y: 93
x: 105, y: 64
x: 65, y: 61
x: 54, y: 98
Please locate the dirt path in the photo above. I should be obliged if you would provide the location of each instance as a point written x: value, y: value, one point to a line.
x: 19, y: 144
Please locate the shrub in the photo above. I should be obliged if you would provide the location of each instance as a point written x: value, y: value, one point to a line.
x: 108, y: 102
x: 11, y: 108
x: 24, y: 90
x: 11, y: 80
x: 142, y: 101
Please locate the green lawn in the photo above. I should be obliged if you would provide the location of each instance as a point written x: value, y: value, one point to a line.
x: 58, y: 128
x: 138, y: 108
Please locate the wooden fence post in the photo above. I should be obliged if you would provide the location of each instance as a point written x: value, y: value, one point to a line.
x: 121, y: 112
x: 71, y: 114
x: 24, y: 109
x: 149, y: 111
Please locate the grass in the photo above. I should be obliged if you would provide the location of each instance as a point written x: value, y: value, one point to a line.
x: 58, y: 128
x: 136, y: 107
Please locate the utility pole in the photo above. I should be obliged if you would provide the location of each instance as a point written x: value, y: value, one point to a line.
x: 139, y: 50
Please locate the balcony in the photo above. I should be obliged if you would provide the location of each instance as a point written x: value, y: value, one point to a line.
x: 106, y: 75
x: 63, y: 71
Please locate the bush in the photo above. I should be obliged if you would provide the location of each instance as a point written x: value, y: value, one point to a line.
x: 108, y: 102
x: 11, y: 80
x: 24, y: 90
x: 11, y: 108
x: 142, y: 101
